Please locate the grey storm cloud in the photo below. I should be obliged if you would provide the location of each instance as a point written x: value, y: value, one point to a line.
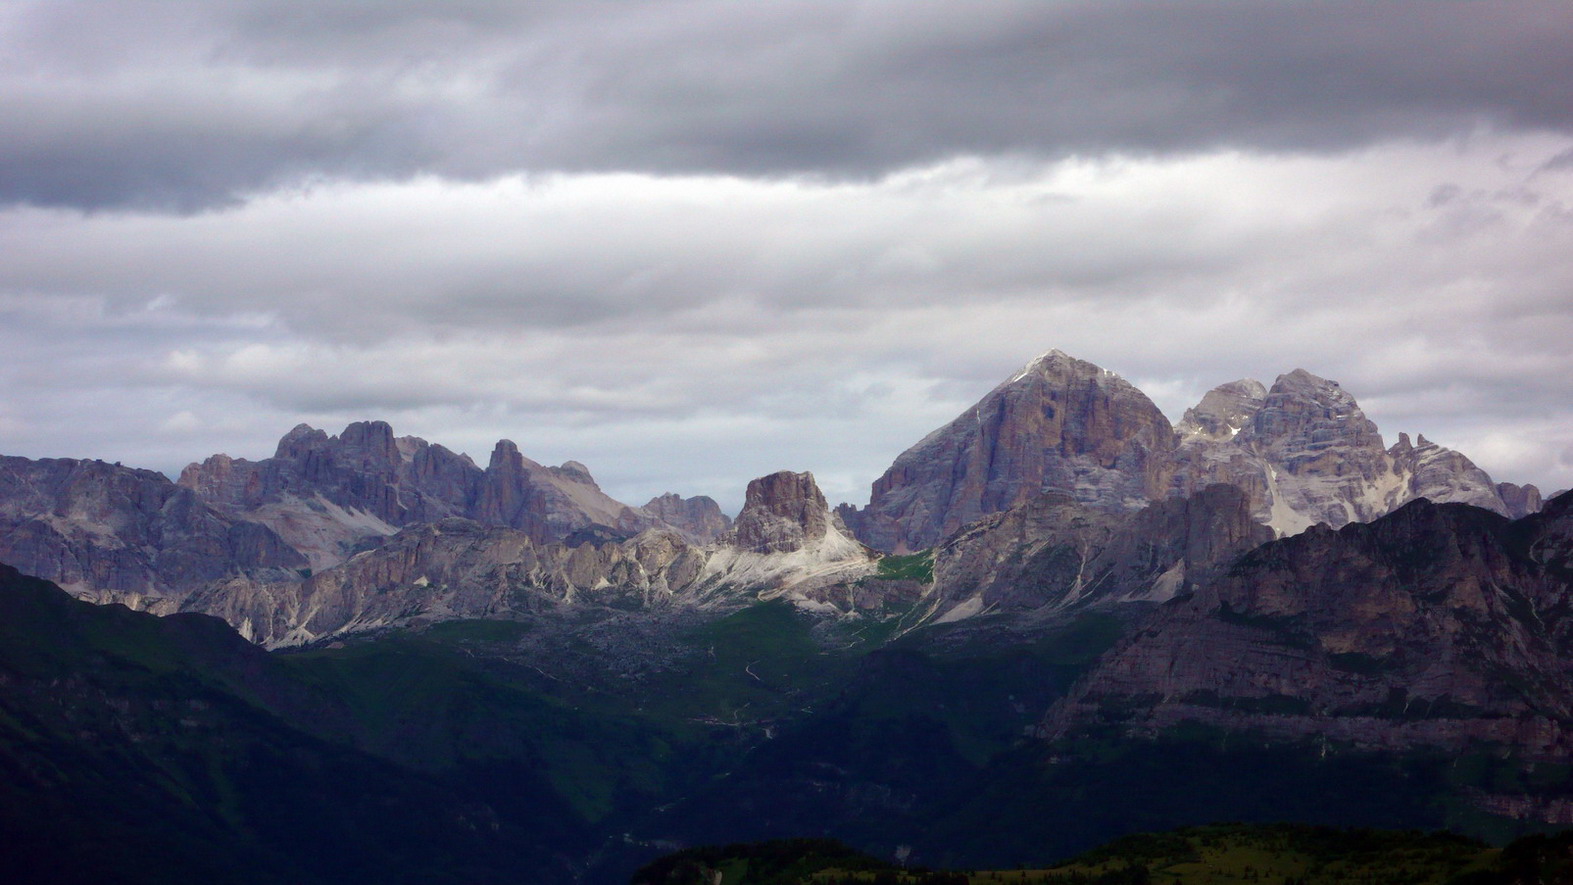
x: 689, y: 243
x: 183, y: 105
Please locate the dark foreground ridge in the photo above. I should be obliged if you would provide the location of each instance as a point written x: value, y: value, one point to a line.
x: 1222, y: 854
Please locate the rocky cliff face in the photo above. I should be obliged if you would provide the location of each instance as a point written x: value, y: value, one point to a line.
x: 699, y: 518
x: 1223, y: 411
x: 1054, y: 553
x: 1061, y: 424
x: 1521, y: 501
x: 325, y: 494
x: 786, y: 545
x: 1306, y: 454
x: 110, y: 533
x: 782, y: 512
x: 1302, y: 451
x: 1436, y: 625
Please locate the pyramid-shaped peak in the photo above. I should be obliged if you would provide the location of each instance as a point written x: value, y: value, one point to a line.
x: 1300, y: 379
x: 1059, y: 364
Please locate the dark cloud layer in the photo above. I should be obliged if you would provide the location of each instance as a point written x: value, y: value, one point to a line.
x: 689, y: 243
x: 182, y: 105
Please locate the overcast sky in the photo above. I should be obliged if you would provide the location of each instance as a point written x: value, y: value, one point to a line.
x: 689, y: 243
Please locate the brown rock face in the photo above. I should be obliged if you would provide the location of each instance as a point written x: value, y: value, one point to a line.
x: 781, y: 513
x: 1054, y: 553
x: 698, y: 518
x: 1062, y: 424
x: 1437, y: 624
x: 507, y: 497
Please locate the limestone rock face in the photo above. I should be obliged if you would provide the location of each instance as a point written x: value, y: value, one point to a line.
x: 1520, y: 501
x: 507, y: 497
x: 1302, y: 451
x: 1223, y: 411
x: 456, y: 568
x: 1061, y: 424
x: 1436, y: 624
x: 1305, y: 453
x: 1442, y: 475
x: 699, y: 518
x: 325, y: 494
x: 782, y: 512
x: 108, y: 533
x: 1053, y: 553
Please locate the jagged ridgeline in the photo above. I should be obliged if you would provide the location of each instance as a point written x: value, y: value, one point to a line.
x: 366, y: 530
x: 1059, y: 619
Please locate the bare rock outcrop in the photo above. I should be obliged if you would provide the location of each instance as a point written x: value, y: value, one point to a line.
x: 1061, y: 424
x: 1520, y: 500
x: 1306, y: 454
x: 782, y: 512
x: 1436, y: 625
x: 1054, y: 553
x: 785, y: 545
x: 1302, y: 451
x: 698, y: 518
x: 1223, y: 411
x: 108, y: 533
x: 325, y: 494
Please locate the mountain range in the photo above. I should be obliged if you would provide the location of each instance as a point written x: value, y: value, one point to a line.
x: 1054, y: 593
x: 286, y: 548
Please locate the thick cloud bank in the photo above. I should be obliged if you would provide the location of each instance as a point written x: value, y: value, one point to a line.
x: 691, y: 243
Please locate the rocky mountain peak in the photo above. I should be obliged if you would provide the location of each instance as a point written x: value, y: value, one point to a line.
x: 371, y: 442
x: 782, y: 512
x: 573, y: 471
x: 301, y: 439
x: 1223, y: 411
x: 1520, y: 501
x: 1059, y: 424
x: 1312, y: 414
x: 698, y: 518
x: 505, y: 456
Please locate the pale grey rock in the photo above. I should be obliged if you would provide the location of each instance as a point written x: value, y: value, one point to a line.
x: 327, y: 494
x: 108, y: 533
x: 698, y: 519
x: 1303, y: 452
x: 1520, y: 501
x: 791, y: 548
x: 1442, y: 475
x: 1308, y: 455
x: 1223, y: 411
